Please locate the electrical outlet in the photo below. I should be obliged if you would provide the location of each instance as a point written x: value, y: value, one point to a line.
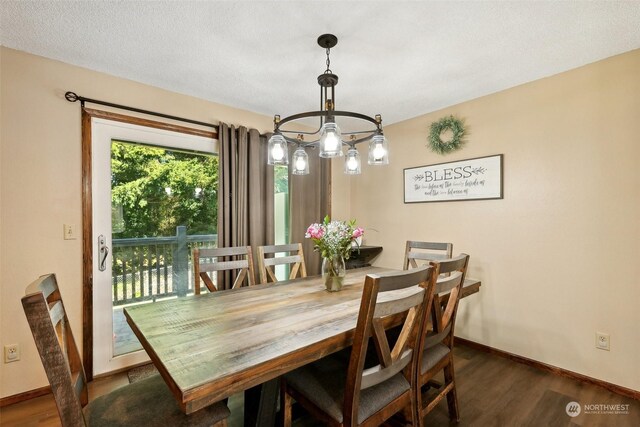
x: 70, y: 232
x: 602, y: 341
x: 11, y: 353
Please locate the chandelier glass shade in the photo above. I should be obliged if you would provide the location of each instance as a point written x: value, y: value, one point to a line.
x: 378, y: 151
x: 300, y: 162
x: 278, y: 150
x: 328, y: 138
x: 330, y: 141
x: 352, y: 162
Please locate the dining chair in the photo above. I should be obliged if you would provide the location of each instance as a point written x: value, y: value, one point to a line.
x: 267, y: 260
x: 436, y: 343
x: 340, y: 391
x: 147, y: 402
x: 237, y: 260
x: 425, y: 251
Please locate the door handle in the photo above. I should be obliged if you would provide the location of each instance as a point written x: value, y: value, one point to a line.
x: 103, y: 252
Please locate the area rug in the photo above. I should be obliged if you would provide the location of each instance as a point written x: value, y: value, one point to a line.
x: 141, y: 372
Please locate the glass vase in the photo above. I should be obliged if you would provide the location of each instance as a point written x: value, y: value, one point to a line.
x: 333, y: 272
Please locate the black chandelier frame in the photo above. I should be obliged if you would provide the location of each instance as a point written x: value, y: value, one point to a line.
x: 327, y: 82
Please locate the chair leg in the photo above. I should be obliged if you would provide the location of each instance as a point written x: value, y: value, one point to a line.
x: 410, y: 413
x: 452, y: 396
x: 285, y: 404
x: 418, y: 405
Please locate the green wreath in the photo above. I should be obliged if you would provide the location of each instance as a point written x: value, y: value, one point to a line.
x: 456, y: 126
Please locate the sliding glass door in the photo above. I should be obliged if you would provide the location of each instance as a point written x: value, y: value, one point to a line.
x: 154, y: 199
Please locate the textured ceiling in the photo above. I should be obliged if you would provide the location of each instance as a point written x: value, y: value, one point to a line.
x: 399, y: 59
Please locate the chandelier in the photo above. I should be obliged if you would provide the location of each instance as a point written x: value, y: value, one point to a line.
x: 328, y: 137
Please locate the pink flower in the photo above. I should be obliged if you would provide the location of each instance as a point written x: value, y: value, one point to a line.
x: 334, y: 238
x: 315, y: 231
x: 358, y: 232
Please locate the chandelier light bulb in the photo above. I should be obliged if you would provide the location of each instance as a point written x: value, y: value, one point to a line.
x: 352, y: 162
x: 330, y: 140
x: 300, y: 162
x: 378, y: 152
x: 277, y: 152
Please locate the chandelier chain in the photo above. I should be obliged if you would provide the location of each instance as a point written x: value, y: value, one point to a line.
x: 328, y: 70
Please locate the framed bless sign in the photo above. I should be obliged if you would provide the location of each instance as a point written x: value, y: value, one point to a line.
x: 472, y: 179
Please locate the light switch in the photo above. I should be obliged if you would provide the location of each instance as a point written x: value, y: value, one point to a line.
x: 70, y: 232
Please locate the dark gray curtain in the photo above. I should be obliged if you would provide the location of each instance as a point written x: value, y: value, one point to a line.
x: 245, y: 192
x: 309, y: 202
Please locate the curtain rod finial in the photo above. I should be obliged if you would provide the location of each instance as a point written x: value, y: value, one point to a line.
x: 71, y: 96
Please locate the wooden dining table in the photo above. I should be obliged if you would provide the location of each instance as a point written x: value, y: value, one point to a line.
x: 211, y: 346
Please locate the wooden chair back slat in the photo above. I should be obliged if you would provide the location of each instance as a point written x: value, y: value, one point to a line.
x: 203, y: 264
x: 448, y: 314
x: 54, y: 340
x: 208, y: 282
x: 223, y: 265
x: 271, y: 276
x: 381, y: 343
x: 377, y: 375
x: 56, y: 312
x: 405, y: 292
x: 427, y: 256
x: 224, y: 252
x: 290, y: 247
x: 267, y: 259
x: 395, y: 281
x: 282, y: 260
x: 387, y: 308
x: 294, y: 271
x: 447, y: 283
x: 240, y: 278
x: 78, y: 382
x: 409, y: 331
x: 433, y: 339
x: 431, y: 246
x: 425, y: 251
x: 458, y: 263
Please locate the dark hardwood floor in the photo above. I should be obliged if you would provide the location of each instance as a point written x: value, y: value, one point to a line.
x: 492, y: 391
x: 495, y: 391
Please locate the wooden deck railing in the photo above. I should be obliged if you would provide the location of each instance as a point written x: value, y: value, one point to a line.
x: 148, y: 268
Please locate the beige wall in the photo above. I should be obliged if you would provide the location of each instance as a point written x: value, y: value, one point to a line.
x: 40, y: 189
x: 558, y: 256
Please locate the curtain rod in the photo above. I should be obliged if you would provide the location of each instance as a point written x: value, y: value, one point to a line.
x: 73, y: 97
